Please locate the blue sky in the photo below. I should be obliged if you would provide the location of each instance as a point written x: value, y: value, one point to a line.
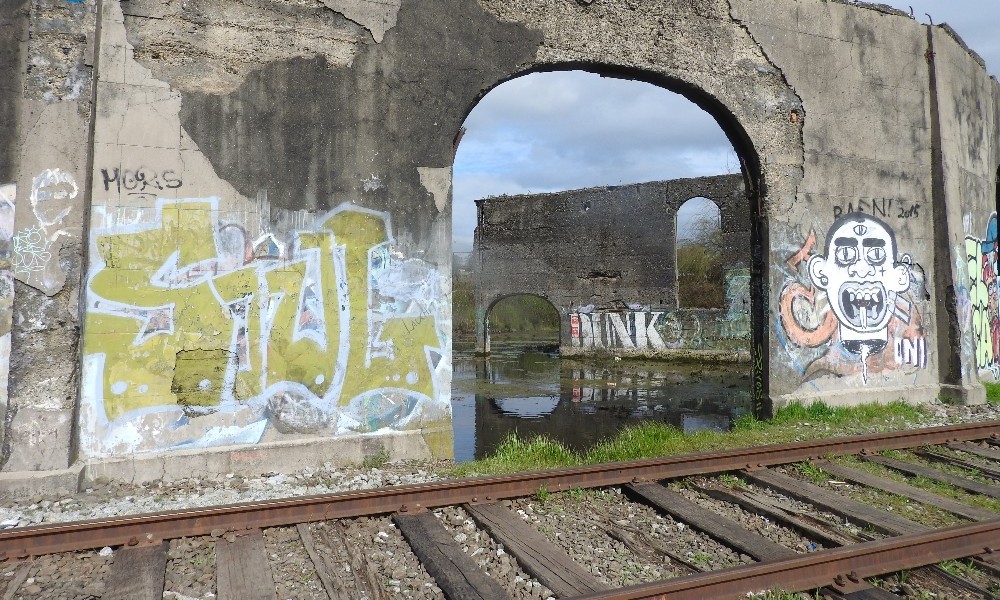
x: 556, y: 131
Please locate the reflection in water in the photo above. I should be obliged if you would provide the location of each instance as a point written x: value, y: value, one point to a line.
x: 581, y: 402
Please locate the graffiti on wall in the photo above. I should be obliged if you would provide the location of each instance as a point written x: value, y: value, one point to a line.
x: 633, y: 330
x: 645, y: 330
x: 848, y: 307
x: 8, y: 195
x: 191, y: 319
x: 52, y: 191
x: 652, y: 331
x: 981, y: 254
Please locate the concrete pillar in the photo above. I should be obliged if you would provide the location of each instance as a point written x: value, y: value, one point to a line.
x: 52, y: 199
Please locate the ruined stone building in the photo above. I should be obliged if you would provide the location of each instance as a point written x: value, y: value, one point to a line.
x: 606, y: 259
x: 225, y: 223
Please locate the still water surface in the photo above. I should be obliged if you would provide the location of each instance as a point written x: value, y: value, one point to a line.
x: 579, y: 402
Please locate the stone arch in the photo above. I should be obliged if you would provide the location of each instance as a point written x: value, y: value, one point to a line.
x: 390, y: 117
x: 766, y: 142
x: 483, y: 320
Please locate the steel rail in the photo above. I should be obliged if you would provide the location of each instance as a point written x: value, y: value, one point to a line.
x: 838, y: 568
x: 134, y: 529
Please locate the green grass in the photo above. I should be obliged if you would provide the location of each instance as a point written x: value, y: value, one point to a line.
x: 732, y: 481
x: 930, y: 485
x: 782, y: 595
x: 542, y: 494
x: 959, y: 568
x: 650, y: 440
x: 992, y: 392
x: 376, y: 461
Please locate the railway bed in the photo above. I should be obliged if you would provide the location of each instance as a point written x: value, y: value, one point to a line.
x: 722, y: 524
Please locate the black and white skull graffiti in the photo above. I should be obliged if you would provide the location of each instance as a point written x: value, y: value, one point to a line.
x: 862, y: 278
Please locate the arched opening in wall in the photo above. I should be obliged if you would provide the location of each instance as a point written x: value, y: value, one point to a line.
x: 700, y: 268
x: 567, y: 185
x: 525, y: 321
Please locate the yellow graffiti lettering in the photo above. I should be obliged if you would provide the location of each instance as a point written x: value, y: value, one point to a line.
x: 177, y: 321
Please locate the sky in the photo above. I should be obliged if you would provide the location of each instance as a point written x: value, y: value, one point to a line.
x: 549, y: 132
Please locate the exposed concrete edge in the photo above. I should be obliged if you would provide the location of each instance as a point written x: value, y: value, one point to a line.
x: 955, y: 36
x: 911, y: 394
x: 733, y: 176
x: 23, y: 483
x: 678, y: 355
x: 249, y: 460
x: 877, y: 7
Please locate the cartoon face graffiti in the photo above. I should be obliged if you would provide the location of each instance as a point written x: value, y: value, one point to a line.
x: 862, y: 278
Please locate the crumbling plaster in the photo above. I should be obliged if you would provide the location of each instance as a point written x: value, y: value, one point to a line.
x: 285, y: 110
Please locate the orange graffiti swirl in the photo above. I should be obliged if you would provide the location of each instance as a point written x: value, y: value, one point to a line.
x: 799, y: 335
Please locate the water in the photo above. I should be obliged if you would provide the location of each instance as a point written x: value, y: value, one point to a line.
x: 579, y: 402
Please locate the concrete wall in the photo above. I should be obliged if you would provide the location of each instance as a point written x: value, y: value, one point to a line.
x: 606, y: 259
x: 229, y: 221
x: 871, y: 145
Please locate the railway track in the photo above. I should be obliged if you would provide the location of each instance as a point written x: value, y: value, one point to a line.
x: 800, y: 490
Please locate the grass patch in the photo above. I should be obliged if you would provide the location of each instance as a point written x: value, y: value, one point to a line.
x: 924, y: 483
x: 650, y: 440
x: 376, y: 461
x: 959, y: 568
x: 915, y: 511
x: 515, y: 455
x: 782, y: 595
x: 992, y: 392
x: 732, y: 481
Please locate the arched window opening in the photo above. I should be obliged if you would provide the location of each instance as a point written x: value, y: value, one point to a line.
x: 699, y: 255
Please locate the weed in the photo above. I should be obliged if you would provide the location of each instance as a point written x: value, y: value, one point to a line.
x: 959, y: 568
x: 701, y: 558
x: 375, y: 461
x: 778, y: 595
x: 542, y: 494
x: 200, y: 560
x: 812, y: 472
x: 577, y: 494
x: 732, y: 481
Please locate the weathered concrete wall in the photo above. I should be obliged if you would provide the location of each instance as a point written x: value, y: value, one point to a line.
x: 13, y: 34
x: 967, y: 102
x: 606, y: 259
x: 855, y: 320
x: 220, y: 312
x: 261, y: 205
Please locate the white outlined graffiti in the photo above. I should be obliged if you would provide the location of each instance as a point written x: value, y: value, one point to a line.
x: 8, y: 195
x: 193, y: 326
x: 30, y: 250
x: 50, y: 191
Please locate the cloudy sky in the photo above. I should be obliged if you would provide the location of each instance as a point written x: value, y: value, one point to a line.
x: 555, y: 131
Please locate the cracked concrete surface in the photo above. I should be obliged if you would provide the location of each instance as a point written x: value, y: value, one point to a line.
x: 283, y: 108
x: 212, y: 47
